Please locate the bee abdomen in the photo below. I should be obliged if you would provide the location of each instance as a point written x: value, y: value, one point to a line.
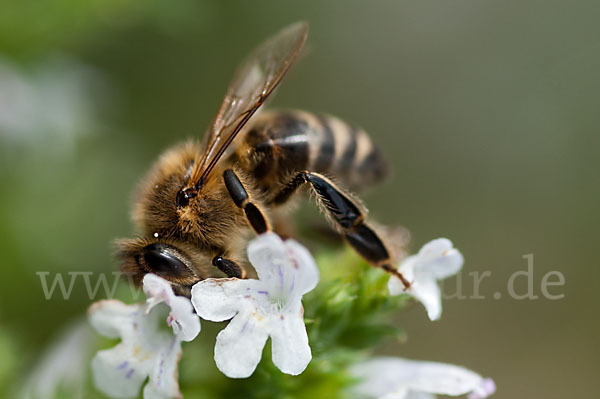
x: 348, y: 153
x: 281, y: 142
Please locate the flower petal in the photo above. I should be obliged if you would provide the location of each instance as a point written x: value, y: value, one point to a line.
x: 439, y: 259
x: 419, y: 395
x: 382, y: 376
x: 424, y: 290
x: 239, y: 346
x: 485, y: 389
x: 183, y: 320
x: 284, y: 265
x: 109, y: 316
x: 220, y: 299
x: 261, y: 251
x: 157, y: 289
x: 395, y: 285
x: 445, y: 379
x: 378, y: 379
x: 291, y: 352
x: 428, y: 293
x: 163, y: 377
x: 117, y: 373
x: 435, y: 261
x: 307, y: 272
x: 185, y: 323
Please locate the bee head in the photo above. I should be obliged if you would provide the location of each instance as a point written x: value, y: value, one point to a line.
x: 168, y: 259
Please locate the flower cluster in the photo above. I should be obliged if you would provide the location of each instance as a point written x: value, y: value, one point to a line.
x: 258, y: 309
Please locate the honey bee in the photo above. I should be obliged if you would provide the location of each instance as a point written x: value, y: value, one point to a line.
x: 201, y: 200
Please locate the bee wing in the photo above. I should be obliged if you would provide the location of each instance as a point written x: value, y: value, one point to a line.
x: 253, y: 82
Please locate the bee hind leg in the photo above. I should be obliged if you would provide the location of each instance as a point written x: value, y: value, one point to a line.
x: 348, y: 218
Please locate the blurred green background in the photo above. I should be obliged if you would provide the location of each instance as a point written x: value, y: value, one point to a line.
x: 487, y: 111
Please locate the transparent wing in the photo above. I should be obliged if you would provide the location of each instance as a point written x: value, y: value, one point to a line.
x: 253, y: 82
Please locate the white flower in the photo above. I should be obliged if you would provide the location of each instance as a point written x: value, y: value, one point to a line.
x: 270, y: 306
x: 183, y: 320
x: 437, y: 260
x: 395, y: 378
x: 144, y: 351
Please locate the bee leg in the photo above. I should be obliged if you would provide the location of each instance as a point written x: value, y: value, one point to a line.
x: 240, y: 196
x: 229, y: 267
x: 348, y: 217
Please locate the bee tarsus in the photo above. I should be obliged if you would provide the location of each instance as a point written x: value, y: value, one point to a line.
x: 229, y: 267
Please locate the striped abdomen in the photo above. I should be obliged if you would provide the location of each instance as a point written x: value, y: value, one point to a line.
x: 279, y: 143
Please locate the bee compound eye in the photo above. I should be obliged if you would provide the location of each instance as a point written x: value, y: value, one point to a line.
x: 165, y: 261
